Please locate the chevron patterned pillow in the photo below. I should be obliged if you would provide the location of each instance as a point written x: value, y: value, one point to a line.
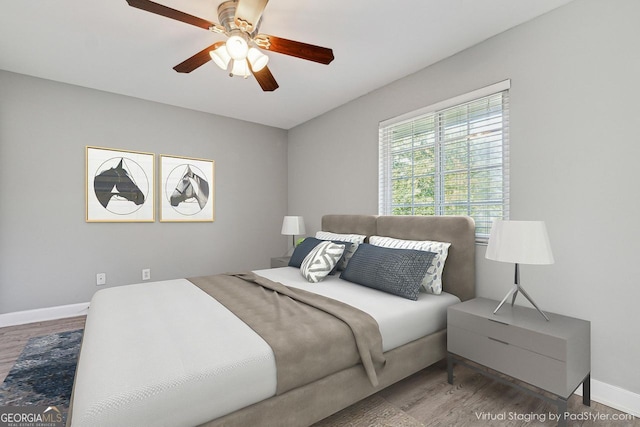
x: 321, y: 261
x: 354, y: 239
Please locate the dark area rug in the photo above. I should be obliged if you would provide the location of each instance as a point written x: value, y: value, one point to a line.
x: 43, y: 374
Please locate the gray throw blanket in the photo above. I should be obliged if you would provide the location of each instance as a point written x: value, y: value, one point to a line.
x: 311, y: 336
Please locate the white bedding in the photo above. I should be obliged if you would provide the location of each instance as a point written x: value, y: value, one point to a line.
x: 167, y: 354
x: 400, y: 320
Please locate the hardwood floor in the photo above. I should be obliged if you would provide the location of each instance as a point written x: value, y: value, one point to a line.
x: 475, y: 400
x: 423, y: 399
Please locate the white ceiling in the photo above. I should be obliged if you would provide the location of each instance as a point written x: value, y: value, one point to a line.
x: 110, y: 46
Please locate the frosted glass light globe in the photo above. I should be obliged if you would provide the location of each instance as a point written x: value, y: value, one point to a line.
x: 240, y: 68
x: 221, y: 57
x: 257, y: 59
x: 237, y: 47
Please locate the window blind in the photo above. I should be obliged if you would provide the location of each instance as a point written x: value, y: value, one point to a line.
x: 451, y: 160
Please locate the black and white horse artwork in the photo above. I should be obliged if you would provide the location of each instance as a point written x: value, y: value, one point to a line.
x: 190, y: 187
x: 117, y: 182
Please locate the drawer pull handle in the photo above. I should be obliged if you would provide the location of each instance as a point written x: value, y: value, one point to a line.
x: 500, y: 341
x: 497, y: 321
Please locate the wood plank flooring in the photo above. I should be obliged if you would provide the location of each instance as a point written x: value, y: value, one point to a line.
x: 423, y: 399
x: 475, y: 400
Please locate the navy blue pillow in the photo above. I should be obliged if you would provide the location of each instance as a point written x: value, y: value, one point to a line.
x: 302, y: 250
x: 396, y: 271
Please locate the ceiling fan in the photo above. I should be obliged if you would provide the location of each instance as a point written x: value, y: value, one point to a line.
x: 239, y: 21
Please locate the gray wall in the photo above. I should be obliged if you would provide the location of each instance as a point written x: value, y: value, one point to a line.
x: 49, y: 256
x: 575, y: 147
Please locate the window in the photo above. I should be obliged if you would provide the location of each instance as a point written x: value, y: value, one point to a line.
x: 449, y: 159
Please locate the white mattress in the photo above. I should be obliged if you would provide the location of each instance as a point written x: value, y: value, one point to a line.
x: 167, y: 354
x: 400, y: 320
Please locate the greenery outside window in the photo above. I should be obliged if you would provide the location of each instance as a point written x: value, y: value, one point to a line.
x: 449, y: 159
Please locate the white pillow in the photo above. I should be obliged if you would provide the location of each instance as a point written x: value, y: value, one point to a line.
x: 432, y: 281
x: 354, y: 239
x: 320, y: 261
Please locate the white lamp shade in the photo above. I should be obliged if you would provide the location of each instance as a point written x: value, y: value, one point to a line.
x: 257, y: 59
x: 240, y: 68
x: 521, y: 242
x: 237, y: 47
x: 221, y: 57
x: 293, y: 226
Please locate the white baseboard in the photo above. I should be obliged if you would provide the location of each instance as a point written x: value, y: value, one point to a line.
x: 614, y: 397
x: 607, y: 394
x: 43, y: 314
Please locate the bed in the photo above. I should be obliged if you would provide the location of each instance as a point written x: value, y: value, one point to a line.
x: 144, y: 344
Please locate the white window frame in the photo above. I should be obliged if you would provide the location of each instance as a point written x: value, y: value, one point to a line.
x: 385, y: 162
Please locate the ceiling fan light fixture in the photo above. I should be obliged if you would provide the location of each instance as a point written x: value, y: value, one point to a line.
x: 220, y: 56
x: 240, y: 68
x: 237, y: 45
x: 239, y: 21
x: 257, y: 59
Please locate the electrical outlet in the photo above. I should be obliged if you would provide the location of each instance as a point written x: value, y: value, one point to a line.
x: 146, y: 274
x: 101, y: 279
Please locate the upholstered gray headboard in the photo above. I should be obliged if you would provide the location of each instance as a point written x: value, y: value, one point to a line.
x: 458, y: 277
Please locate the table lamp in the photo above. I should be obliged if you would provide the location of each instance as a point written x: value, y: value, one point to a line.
x: 520, y: 242
x: 292, y: 226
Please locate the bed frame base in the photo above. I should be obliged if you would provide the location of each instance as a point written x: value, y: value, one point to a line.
x: 309, y: 404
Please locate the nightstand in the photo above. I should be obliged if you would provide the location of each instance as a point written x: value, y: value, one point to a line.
x: 553, y: 356
x: 281, y: 261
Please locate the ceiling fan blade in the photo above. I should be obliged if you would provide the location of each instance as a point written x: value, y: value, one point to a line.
x: 301, y: 50
x: 248, y: 13
x: 161, y: 10
x: 197, y: 60
x: 265, y: 79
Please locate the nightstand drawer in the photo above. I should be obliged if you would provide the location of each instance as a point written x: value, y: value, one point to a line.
x: 523, y: 364
x: 533, y: 340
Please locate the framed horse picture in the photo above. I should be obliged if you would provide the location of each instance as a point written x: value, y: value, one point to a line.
x: 187, y: 189
x: 120, y: 185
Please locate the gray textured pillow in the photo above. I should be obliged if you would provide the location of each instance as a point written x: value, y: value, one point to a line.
x: 396, y: 271
x: 432, y: 282
x: 320, y: 261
